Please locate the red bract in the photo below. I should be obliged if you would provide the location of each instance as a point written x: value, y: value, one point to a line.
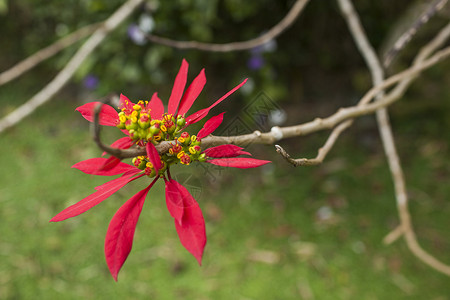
x: 146, y: 125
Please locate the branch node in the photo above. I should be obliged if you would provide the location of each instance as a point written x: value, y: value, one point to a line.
x: 276, y: 133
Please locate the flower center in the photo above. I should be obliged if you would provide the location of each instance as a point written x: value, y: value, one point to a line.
x: 143, y: 129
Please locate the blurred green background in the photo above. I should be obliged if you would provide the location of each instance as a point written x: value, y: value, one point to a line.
x: 273, y: 233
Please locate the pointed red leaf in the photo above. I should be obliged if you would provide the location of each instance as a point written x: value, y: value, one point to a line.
x: 122, y: 143
x: 210, y: 126
x: 127, y: 174
x: 93, y: 165
x: 192, y: 231
x: 239, y: 162
x: 153, y: 156
x: 92, y: 200
x: 110, y: 163
x: 178, y: 88
x: 125, y: 102
x: 227, y: 150
x: 195, y: 117
x: 177, y: 199
x: 156, y: 107
x: 108, y: 115
x: 120, y: 234
x: 192, y: 93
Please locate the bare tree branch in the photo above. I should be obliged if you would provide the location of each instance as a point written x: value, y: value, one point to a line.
x: 343, y: 118
x: 323, y: 151
x: 33, y: 60
x: 67, y: 72
x: 287, y: 21
x: 406, y: 37
x: 343, y: 114
x: 376, y: 70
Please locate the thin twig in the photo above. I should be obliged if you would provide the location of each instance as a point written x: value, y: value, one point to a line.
x: 47, y: 52
x: 376, y: 70
x: 395, y: 94
x: 287, y: 21
x: 406, y: 37
x: 67, y: 72
x: 323, y: 151
x: 394, y: 235
x: 343, y: 114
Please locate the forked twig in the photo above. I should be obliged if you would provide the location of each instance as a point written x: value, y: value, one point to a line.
x: 364, y: 107
x: 376, y: 70
x: 323, y: 151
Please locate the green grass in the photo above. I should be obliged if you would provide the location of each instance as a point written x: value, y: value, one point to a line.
x: 265, y: 238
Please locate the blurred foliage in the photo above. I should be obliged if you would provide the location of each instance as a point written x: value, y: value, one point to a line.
x: 311, y: 55
x: 273, y: 232
x: 311, y: 69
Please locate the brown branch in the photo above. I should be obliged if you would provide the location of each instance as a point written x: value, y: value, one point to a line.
x: 43, y: 54
x: 394, y: 235
x: 364, y: 46
x: 67, y: 72
x: 287, y: 21
x: 406, y: 37
x: 323, y: 151
x: 343, y: 114
x: 376, y: 70
x: 363, y: 108
x: 426, y: 51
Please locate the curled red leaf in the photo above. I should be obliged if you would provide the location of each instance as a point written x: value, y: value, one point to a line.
x: 192, y: 231
x: 188, y: 218
x: 210, y: 126
x: 108, y: 115
x: 153, y: 156
x: 177, y: 199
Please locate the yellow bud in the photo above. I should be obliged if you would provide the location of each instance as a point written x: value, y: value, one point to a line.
x: 122, y: 119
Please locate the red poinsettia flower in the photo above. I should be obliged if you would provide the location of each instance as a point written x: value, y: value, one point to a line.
x: 146, y: 125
